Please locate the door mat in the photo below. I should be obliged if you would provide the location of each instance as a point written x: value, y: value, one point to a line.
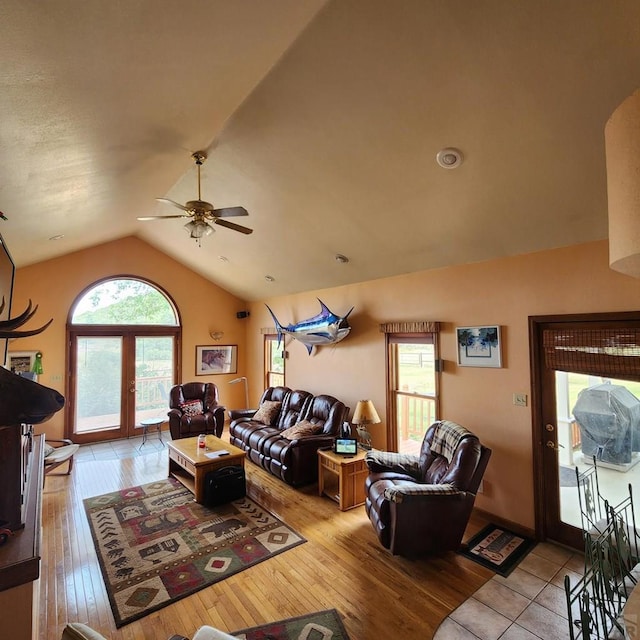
x: 497, y: 548
x: 155, y: 545
x: 323, y: 624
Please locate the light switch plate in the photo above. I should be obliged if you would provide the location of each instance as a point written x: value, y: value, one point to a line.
x: 520, y: 399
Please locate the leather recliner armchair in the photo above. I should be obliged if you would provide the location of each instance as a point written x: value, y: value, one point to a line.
x: 194, y: 409
x: 421, y: 505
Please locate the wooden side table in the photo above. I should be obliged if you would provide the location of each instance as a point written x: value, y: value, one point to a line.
x: 341, y: 478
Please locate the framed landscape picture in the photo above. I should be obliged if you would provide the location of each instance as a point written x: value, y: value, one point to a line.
x: 479, y: 346
x: 214, y: 359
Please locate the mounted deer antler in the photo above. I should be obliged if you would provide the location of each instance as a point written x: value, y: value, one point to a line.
x: 7, y: 327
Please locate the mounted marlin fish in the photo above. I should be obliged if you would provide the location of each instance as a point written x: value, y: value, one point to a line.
x: 325, y: 328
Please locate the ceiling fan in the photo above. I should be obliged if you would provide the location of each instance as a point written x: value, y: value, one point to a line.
x: 202, y: 212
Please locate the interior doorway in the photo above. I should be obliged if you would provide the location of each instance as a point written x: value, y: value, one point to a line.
x: 124, y: 339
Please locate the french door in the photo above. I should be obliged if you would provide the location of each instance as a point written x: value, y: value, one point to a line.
x: 119, y: 376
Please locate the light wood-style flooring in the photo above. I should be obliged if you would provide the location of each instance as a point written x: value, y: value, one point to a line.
x: 340, y: 566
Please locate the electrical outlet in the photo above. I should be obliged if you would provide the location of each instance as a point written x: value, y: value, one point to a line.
x: 520, y: 399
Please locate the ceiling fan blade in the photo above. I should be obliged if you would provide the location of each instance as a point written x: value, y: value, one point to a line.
x: 163, y: 217
x: 173, y: 202
x: 230, y: 212
x: 233, y: 225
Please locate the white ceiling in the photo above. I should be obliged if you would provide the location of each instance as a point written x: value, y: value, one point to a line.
x: 321, y: 118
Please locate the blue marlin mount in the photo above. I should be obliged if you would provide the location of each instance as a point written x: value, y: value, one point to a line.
x: 325, y: 328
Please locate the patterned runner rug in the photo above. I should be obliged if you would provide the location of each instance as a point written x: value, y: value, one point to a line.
x: 156, y: 545
x: 323, y: 625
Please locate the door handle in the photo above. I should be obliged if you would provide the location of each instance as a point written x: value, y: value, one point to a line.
x: 552, y: 445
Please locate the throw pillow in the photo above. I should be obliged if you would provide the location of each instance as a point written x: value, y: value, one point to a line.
x: 268, y: 412
x: 191, y: 407
x: 300, y: 430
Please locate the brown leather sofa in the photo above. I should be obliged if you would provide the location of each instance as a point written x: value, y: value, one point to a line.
x: 421, y: 505
x: 293, y: 459
x: 194, y: 409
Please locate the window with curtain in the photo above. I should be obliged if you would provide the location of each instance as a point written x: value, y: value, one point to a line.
x: 412, y: 382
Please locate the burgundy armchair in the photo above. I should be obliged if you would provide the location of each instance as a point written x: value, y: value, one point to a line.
x: 421, y: 505
x: 194, y: 409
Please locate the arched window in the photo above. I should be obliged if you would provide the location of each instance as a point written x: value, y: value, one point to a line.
x: 124, y: 301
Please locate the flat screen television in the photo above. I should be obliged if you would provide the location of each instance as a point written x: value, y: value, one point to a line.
x: 7, y: 274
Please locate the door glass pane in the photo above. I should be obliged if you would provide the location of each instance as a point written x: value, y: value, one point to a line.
x: 599, y: 417
x: 98, y: 383
x: 415, y: 394
x: 154, y: 376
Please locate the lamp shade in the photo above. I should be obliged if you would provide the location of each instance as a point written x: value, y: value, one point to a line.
x: 622, y: 144
x: 365, y: 413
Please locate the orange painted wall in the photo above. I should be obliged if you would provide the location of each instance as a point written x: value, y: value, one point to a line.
x: 55, y: 284
x: 503, y: 292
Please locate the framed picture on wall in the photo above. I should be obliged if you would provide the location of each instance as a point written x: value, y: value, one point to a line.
x: 214, y: 359
x: 20, y: 361
x: 479, y: 346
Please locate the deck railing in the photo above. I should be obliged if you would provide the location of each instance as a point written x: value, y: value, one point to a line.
x: 415, y: 415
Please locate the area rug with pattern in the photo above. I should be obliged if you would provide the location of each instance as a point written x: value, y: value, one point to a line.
x: 323, y: 625
x: 497, y: 548
x: 156, y: 545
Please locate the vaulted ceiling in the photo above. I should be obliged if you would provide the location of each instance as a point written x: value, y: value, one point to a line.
x: 322, y: 118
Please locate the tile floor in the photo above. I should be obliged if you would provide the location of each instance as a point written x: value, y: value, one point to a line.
x: 126, y: 448
x: 529, y: 604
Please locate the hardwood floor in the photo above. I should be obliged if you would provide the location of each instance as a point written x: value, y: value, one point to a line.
x: 340, y: 566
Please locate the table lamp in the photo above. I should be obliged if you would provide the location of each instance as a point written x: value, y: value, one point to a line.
x: 364, y: 415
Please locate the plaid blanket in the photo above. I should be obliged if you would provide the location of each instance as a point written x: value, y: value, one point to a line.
x: 447, y: 438
x: 392, y: 461
x: 398, y: 492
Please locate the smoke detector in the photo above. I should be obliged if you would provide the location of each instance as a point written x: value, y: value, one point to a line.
x: 449, y: 158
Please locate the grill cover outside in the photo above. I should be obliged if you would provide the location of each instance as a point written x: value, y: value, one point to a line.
x: 609, y: 419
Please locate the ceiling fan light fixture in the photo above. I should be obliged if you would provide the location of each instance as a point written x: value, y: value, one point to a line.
x: 198, y: 229
x: 449, y: 158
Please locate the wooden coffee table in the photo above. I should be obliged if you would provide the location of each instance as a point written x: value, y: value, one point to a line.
x: 189, y: 464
